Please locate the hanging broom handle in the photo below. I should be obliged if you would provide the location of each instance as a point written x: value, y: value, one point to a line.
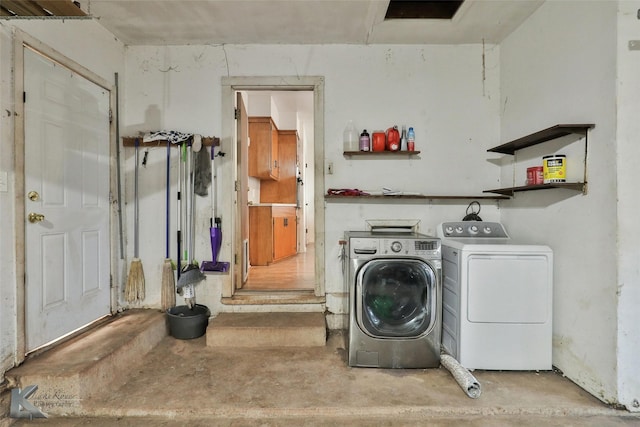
x: 135, y: 204
x: 168, y: 184
x: 179, y: 213
x: 192, y: 214
x: 119, y: 179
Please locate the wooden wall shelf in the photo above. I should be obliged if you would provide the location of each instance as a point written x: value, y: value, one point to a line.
x: 130, y: 141
x: 391, y: 198
x: 403, y: 153
x: 548, y: 134
x: 536, y: 138
x: 578, y: 186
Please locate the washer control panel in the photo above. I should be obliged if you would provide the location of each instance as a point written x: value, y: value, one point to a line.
x: 416, y: 247
x: 368, y: 247
x: 475, y: 229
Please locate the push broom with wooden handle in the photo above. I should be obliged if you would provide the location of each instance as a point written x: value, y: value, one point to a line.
x: 168, y: 294
x: 134, y: 291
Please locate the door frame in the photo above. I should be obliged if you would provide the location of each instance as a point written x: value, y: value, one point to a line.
x: 232, y: 84
x: 22, y: 41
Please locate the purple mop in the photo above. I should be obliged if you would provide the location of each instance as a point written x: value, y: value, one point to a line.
x: 215, y: 232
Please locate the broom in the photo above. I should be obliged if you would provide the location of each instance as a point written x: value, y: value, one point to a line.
x: 134, y: 291
x: 168, y: 297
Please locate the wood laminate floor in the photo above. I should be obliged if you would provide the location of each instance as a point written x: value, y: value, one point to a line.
x: 294, y: 273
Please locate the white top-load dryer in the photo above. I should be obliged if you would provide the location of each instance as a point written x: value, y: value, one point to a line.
x: 497, y: 298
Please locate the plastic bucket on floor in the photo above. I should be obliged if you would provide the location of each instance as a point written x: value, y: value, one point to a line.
x: 187, y: 323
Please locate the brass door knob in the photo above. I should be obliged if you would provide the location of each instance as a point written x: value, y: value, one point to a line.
x: 35, y: 217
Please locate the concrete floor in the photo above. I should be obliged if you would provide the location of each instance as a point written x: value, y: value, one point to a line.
x: 185, y: 382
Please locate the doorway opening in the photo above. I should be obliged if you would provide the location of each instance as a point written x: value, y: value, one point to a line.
x: 279, y: 182
x: 279, y: 159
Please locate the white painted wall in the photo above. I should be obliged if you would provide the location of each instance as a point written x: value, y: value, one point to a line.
x: 8, y: 319
x: 628, y: 153
x: 442, y: 91
x: 88, y: 44
x: 560, y: 67
x: 259, y: 103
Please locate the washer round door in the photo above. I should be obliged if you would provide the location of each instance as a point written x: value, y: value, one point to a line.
x: 396, y: 298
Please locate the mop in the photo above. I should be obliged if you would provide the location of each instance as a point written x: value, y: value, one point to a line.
x: 134, y: 291
x: 215, y: 232
x: 190, y: 274
x: 168, y: 297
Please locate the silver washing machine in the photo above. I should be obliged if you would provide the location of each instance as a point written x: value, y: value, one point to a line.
x: 395, y: 294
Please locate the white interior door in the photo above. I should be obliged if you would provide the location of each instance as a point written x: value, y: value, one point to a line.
x: 242, y: 132
x: 66, y: 201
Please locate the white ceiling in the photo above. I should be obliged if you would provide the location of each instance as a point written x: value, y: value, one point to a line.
x: 181, y: 22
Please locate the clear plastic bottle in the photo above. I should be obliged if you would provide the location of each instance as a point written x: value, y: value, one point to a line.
x: 403, y: 139
x: 350, y: 137
x: 411, y: 140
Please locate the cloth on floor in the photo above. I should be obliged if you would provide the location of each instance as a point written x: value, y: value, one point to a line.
x: 202, y: 177
x: 174, y: 137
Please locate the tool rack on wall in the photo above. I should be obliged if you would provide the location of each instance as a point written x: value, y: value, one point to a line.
x: 130, y: 141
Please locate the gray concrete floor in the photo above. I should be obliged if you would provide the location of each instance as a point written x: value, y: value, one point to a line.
x: 184, y: 382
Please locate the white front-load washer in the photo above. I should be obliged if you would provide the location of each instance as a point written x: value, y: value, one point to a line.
x: 394, y: 282
x: 497, y: 298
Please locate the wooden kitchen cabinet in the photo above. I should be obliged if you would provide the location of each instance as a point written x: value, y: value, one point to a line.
x: 263, y: 148
x: 285, y: 190
x: 284, y: 234
x: 272, y: 233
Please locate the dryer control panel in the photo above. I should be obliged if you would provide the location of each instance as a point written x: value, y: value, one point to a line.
x: 473, y: 229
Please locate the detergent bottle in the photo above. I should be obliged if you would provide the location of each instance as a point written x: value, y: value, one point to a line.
x: 393, y: 139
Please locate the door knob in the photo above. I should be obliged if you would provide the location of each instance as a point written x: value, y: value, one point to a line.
x: 35, y: 217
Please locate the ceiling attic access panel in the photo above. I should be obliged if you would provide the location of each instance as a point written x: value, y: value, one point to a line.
x: 422, y: 9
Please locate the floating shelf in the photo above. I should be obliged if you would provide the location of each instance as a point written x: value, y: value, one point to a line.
x: 403, y: 153
x: 336, y: 198
x: 579, y: 186
x: 130, y: 141
x: 545, y: 135
x: 553, y: 132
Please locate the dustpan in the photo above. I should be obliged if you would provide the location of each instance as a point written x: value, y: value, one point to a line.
x: 190, y: 275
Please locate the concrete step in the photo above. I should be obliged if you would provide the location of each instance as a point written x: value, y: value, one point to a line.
x: 98, y: 361
x: 267, y: 330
